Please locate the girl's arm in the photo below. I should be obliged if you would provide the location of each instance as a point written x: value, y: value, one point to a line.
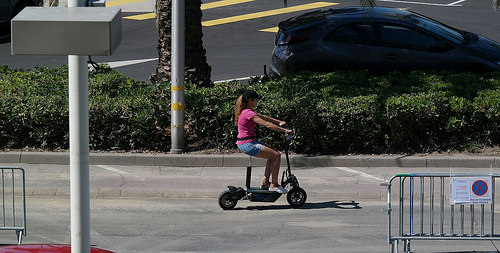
x: 270, y: 125
x: 272, y: 120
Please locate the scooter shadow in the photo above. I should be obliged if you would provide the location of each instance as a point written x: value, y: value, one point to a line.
x: 315, y: 205
x: 468, y: 251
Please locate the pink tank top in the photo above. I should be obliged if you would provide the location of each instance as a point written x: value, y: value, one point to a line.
x: 246, y: 126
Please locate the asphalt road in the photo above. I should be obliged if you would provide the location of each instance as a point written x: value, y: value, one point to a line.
x: 240, y: 49
x: 174, y: 209
x: 198, y: 225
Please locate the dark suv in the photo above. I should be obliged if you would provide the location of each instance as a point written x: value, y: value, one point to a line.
x: 379, y: 39
x: 9, y: 9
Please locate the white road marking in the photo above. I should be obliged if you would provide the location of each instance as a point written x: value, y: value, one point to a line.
x: 359, y: 173
x: 117, y: 64
x: 236, y: 79
x: 422, y: 3
x: 457, y: 2
x: 112, y: 169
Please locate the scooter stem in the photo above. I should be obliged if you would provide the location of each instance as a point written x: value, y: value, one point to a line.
x: 286, y: 154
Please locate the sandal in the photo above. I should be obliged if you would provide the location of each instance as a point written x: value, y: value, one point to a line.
x: 278, y: 189
x: 265, y: 186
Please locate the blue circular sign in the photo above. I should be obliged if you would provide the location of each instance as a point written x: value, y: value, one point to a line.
x: 479, y: 187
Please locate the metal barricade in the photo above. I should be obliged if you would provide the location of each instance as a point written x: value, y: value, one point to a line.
x: 423, y: 210
x: 13, y: 201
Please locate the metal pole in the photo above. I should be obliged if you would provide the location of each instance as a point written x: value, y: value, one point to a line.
x: 177, y: 77
x: 441, y: 204
x: 492, y: 219
x: 79, y: 149
x: 431, y: 209
x: 79, y: 154
x: 3, y: 198
x: 421, y: 205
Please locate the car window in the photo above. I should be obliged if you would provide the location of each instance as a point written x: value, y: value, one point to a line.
x: 303, y: 20
x: 404, y: 37
x: 441, y: 29
x: 352, y: 33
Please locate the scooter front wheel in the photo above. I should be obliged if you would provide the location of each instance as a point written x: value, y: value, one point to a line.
x: 296, y: 197
x: 226, y: 200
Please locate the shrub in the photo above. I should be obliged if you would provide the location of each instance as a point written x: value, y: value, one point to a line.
x: 332, y: 113
x: 427, y: 121
x: 123, y: 114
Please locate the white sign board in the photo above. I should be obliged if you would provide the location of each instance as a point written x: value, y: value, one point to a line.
x: 66, y: 31
x: 470, y: 190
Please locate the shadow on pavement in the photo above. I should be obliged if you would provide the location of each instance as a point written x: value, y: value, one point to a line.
x: 316, y: 205
x: 467, y: 251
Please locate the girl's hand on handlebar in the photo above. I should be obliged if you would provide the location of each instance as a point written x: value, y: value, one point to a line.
x: 288, y: 132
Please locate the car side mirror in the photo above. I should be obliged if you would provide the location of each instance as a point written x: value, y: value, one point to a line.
x: 440, y: 47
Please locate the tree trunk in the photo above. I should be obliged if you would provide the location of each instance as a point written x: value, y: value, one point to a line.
x: 197, y: 70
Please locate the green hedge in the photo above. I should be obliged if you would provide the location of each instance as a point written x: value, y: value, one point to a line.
x: 355, y: 112
x: 334, y: 113
x: 123, y: 114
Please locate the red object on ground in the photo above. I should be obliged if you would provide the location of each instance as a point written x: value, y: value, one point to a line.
x: 44, y: 248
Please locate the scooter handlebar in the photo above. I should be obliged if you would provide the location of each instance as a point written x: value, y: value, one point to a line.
x: 287, y: 136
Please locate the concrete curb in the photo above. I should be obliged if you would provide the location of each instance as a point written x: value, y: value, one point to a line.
x: 238, y: 160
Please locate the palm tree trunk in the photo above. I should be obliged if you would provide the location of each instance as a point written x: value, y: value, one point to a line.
x: 197, y: 70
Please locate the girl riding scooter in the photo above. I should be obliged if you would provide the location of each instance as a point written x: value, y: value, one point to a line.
x: 246, y: 120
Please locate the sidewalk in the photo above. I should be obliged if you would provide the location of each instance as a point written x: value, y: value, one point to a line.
x: 238, y: 160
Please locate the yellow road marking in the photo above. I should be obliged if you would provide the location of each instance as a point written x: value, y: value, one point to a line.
x: 206, y: 6
x: 241, y: 17
x: 261, y: 14
x: 270, y: 30
x: 223, y: 3
x: 120, y: 2
x: 142, y: 16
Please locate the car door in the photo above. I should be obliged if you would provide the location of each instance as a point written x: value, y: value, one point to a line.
x: 4, y: 10
x: 349, y: 46
x: 405, y: 48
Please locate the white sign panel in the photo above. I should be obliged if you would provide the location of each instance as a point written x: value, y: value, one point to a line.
x: 66, y: 31
x: 470, y: 190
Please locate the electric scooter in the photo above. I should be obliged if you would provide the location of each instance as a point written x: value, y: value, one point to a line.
x: 296, y: 196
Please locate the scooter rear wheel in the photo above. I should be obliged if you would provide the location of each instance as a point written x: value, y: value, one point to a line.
x: 226, y: 201
x: 296, y: 197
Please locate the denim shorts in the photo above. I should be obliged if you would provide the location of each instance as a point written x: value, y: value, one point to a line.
x: 251, y: 148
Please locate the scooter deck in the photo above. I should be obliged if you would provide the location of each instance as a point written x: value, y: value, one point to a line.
x: 260, y: 195
x: 258, y: 190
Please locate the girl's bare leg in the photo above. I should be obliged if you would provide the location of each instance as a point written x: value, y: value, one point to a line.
x: 267, y: 173
x: 272, y: 166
